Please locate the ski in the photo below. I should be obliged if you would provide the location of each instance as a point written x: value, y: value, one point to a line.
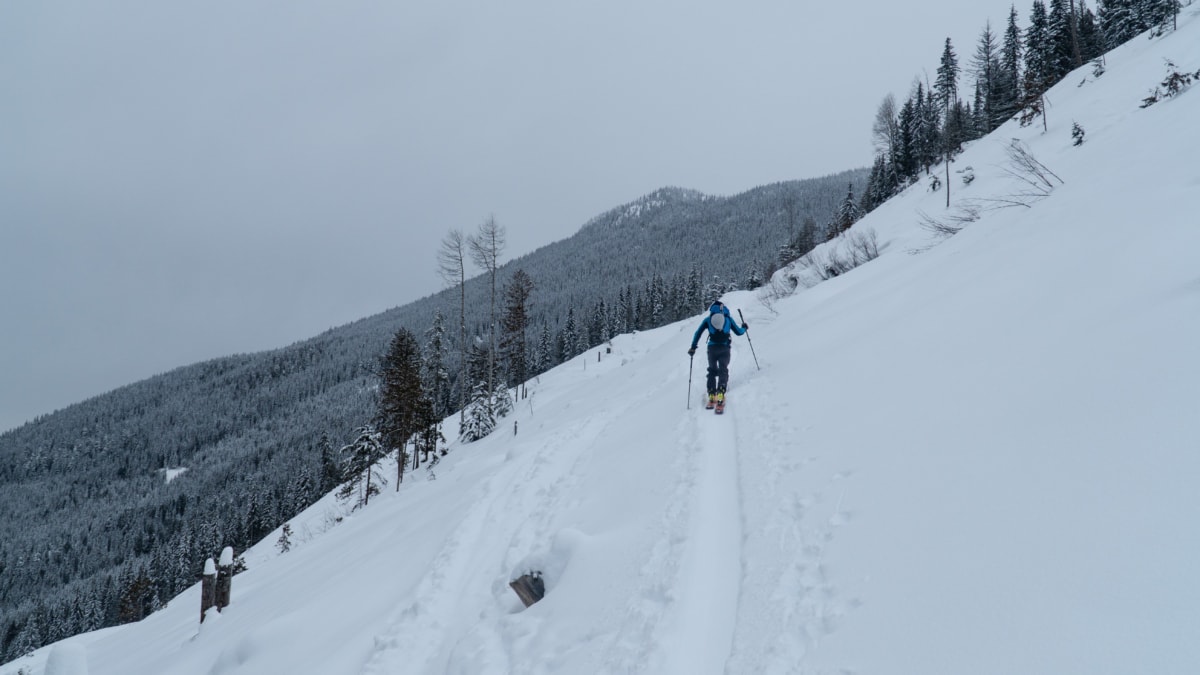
x: 719, y: 409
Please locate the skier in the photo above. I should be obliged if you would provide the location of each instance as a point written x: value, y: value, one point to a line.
x: 719, y: 324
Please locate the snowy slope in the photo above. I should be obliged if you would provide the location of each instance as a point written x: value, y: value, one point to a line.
x: 978, y: 456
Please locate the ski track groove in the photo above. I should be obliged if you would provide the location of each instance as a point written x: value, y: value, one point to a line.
x: 789, y: 579
x: 439, y: 591
x: 686, y: 625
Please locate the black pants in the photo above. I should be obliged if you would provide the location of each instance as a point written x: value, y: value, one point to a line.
x: 718, y: 368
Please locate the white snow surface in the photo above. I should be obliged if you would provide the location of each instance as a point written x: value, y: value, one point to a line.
x: 977, y: 458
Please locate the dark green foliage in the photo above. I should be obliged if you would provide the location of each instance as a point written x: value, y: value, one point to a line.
x: 989, y: 81
x: 946, y: 86
x: 1062, y: 55
x: 481, y: 414
x: 1009, y: 93
x: 1039, y: 67
x: 1091, y: 41
x: 284, y: 543
x: 847, y: 214
x: 1122, y: 20
x: 362, y: 467
x: 331, y: 466
x: 402, y: 397
x: 513, y: 342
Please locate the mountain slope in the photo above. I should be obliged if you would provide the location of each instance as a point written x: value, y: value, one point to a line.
x: 975, y: 456
x: 252, y: 429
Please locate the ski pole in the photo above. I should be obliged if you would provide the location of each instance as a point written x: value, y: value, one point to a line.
x: 756, y: 366
x: 691, y: 360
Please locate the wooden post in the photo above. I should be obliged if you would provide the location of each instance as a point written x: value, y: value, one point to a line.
x: 529, y: 587
x: 224, y: 578
x: 208, y: 588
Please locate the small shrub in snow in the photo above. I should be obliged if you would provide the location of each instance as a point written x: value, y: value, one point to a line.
x: 1174, y: 84
x: 952, y: 223
x: 1077, y: 134
x: 284, y: 544
x: 1037, y: 179
x: 832, y: 261
x: 968, y: 175
x: 864, y: 247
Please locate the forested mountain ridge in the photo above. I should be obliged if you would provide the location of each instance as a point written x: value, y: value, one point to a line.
x: 92, y: 533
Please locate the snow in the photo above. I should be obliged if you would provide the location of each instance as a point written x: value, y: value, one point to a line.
x: 976, y: 455
x: 171, y: 474
x: 67, y: 659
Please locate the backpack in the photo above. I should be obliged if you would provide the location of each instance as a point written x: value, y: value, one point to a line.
x: 718, y: 328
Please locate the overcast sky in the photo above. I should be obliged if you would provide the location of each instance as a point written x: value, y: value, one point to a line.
x: 181, y: 181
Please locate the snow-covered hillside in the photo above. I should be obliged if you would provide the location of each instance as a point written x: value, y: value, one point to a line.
x: 978, y: 456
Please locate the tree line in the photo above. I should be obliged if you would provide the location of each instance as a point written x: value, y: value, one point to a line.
x: 1012, y: 72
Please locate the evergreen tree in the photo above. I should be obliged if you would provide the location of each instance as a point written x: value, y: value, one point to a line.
x: 515, y: 323
x: 544, y: 354
x: 1039, y: 69
x: 1061, y: 48
x: 598, y: 331
x: 1091, y: 41
x: 481, y: 416
x: 946, y: 86
x: 715, y: 289
x: 570, y: 336
x: 401, y: 395
x: 693, y: 299
x: 657, y: 295
x: 847, y: 213
x: 754, y: 277
x: 1008, y: 88
x: 1119, y: 22
x: 362, y: 460
x: 986, y: 67
x: 910, y: 132
x: 284, y: 543
x: 931, y: 131
x: 874, y: 195
x: 433, y: 366
x: 331, y: 465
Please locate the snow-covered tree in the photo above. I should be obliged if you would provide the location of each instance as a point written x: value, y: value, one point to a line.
x: 433, y: 366
x: 362, y: 466
x: 284, y: 543
x: 481, y: 413
x: 1008, y: 84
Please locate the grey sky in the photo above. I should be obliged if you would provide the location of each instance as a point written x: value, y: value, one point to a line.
x: 180, y: 181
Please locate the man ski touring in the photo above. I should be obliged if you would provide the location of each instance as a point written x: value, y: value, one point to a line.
x: 719, y: 325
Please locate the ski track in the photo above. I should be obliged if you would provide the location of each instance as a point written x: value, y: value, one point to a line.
x: 439, y: 594
x: 788, y: 601
x: 685, y: 624
x: 701, y: 589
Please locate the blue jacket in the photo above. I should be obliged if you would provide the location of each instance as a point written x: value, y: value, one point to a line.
x: 707, y: 325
